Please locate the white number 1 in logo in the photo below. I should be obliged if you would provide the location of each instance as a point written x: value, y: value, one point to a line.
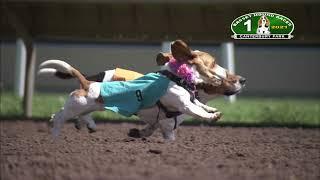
x: 248, y: 24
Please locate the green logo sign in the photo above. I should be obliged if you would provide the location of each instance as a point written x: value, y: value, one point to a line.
x: 262, y: 25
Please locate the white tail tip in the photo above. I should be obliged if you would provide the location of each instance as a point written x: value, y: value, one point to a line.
x: 47, y: 72
x: 58, y: 65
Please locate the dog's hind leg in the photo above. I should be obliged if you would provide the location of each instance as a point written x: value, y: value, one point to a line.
x: 151, y: 116
x: 63, y: 115
x: 75, y: 106
x: 58, y: 120
x: 168, y: 126
x: 87, y: 120
x: 145, y: 132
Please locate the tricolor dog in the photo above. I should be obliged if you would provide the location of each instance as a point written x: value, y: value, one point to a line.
x: 263, y: 25
x: 154, y: 96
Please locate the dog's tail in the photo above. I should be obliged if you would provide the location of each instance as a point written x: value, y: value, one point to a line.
x: 55, y: 68
x: 54, y: 72
x: 62, y: 70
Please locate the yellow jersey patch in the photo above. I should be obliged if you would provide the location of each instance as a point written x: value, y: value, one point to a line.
x: 127, y: 74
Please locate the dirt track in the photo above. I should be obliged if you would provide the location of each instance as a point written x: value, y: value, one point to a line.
x: 28, y: 152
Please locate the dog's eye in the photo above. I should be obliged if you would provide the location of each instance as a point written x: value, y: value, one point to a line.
x: 218, y: 82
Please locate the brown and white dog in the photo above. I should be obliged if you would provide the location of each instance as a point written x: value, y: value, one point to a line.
x: 209, y: 78
x: 263, y: 25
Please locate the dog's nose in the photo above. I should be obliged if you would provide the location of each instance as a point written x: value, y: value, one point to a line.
x: 242, y: 80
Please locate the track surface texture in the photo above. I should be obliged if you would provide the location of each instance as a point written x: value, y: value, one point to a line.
x: 200, y: 152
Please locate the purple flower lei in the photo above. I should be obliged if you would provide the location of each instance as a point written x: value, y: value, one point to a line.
x: 182, y: 70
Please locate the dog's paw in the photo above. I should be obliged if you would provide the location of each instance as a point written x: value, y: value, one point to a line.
x: 77, y: 125
x: 216, y: 116
x: 91, y: 130
x: 50, y: 122
x: 92, y: 127
x: 169, y: 136
x: 212, y: 110
x: 135, y: 133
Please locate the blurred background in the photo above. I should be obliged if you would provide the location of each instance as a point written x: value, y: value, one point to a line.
x: 98, y: 35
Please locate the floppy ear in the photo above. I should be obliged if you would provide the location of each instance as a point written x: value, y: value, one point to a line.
x: 181, y: 51
x: 260, y: 22
x: 163, y: 58
x: 268, y: 22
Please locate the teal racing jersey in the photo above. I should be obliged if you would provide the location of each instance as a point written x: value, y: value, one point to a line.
x: 128, y: 97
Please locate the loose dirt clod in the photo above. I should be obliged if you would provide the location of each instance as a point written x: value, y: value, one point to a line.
x: 154, y: 151
x: 129, y: 139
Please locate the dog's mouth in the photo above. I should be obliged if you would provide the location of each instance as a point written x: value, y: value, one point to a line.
x: 229, y: 93
x: 236, y: 91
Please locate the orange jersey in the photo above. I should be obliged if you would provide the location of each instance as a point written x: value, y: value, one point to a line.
x: 127, y: 74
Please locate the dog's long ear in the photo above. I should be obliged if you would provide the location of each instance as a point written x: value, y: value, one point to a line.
x: 260, y: 22
x: 181, y: 51
x: 268, y: 22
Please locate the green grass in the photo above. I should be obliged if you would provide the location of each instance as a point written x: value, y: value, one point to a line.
x: 244, y: 112
x: 270, y: 111
x: 45, y: 104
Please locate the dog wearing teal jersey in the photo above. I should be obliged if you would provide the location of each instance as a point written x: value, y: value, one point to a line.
x: 206, y: 75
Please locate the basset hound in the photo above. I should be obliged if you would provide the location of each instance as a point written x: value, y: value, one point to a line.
x: 263, y: 25
x: 105, y: 90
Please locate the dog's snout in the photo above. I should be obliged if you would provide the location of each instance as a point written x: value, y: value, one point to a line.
x: 242, y: 80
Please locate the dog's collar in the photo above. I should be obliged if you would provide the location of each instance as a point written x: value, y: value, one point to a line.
x: 182, y: 70
x: 191, y: 88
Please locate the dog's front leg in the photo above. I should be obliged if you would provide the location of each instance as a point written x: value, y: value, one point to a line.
x: 205, y: 107
x: 198, y: 112
x: 178, y: 99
